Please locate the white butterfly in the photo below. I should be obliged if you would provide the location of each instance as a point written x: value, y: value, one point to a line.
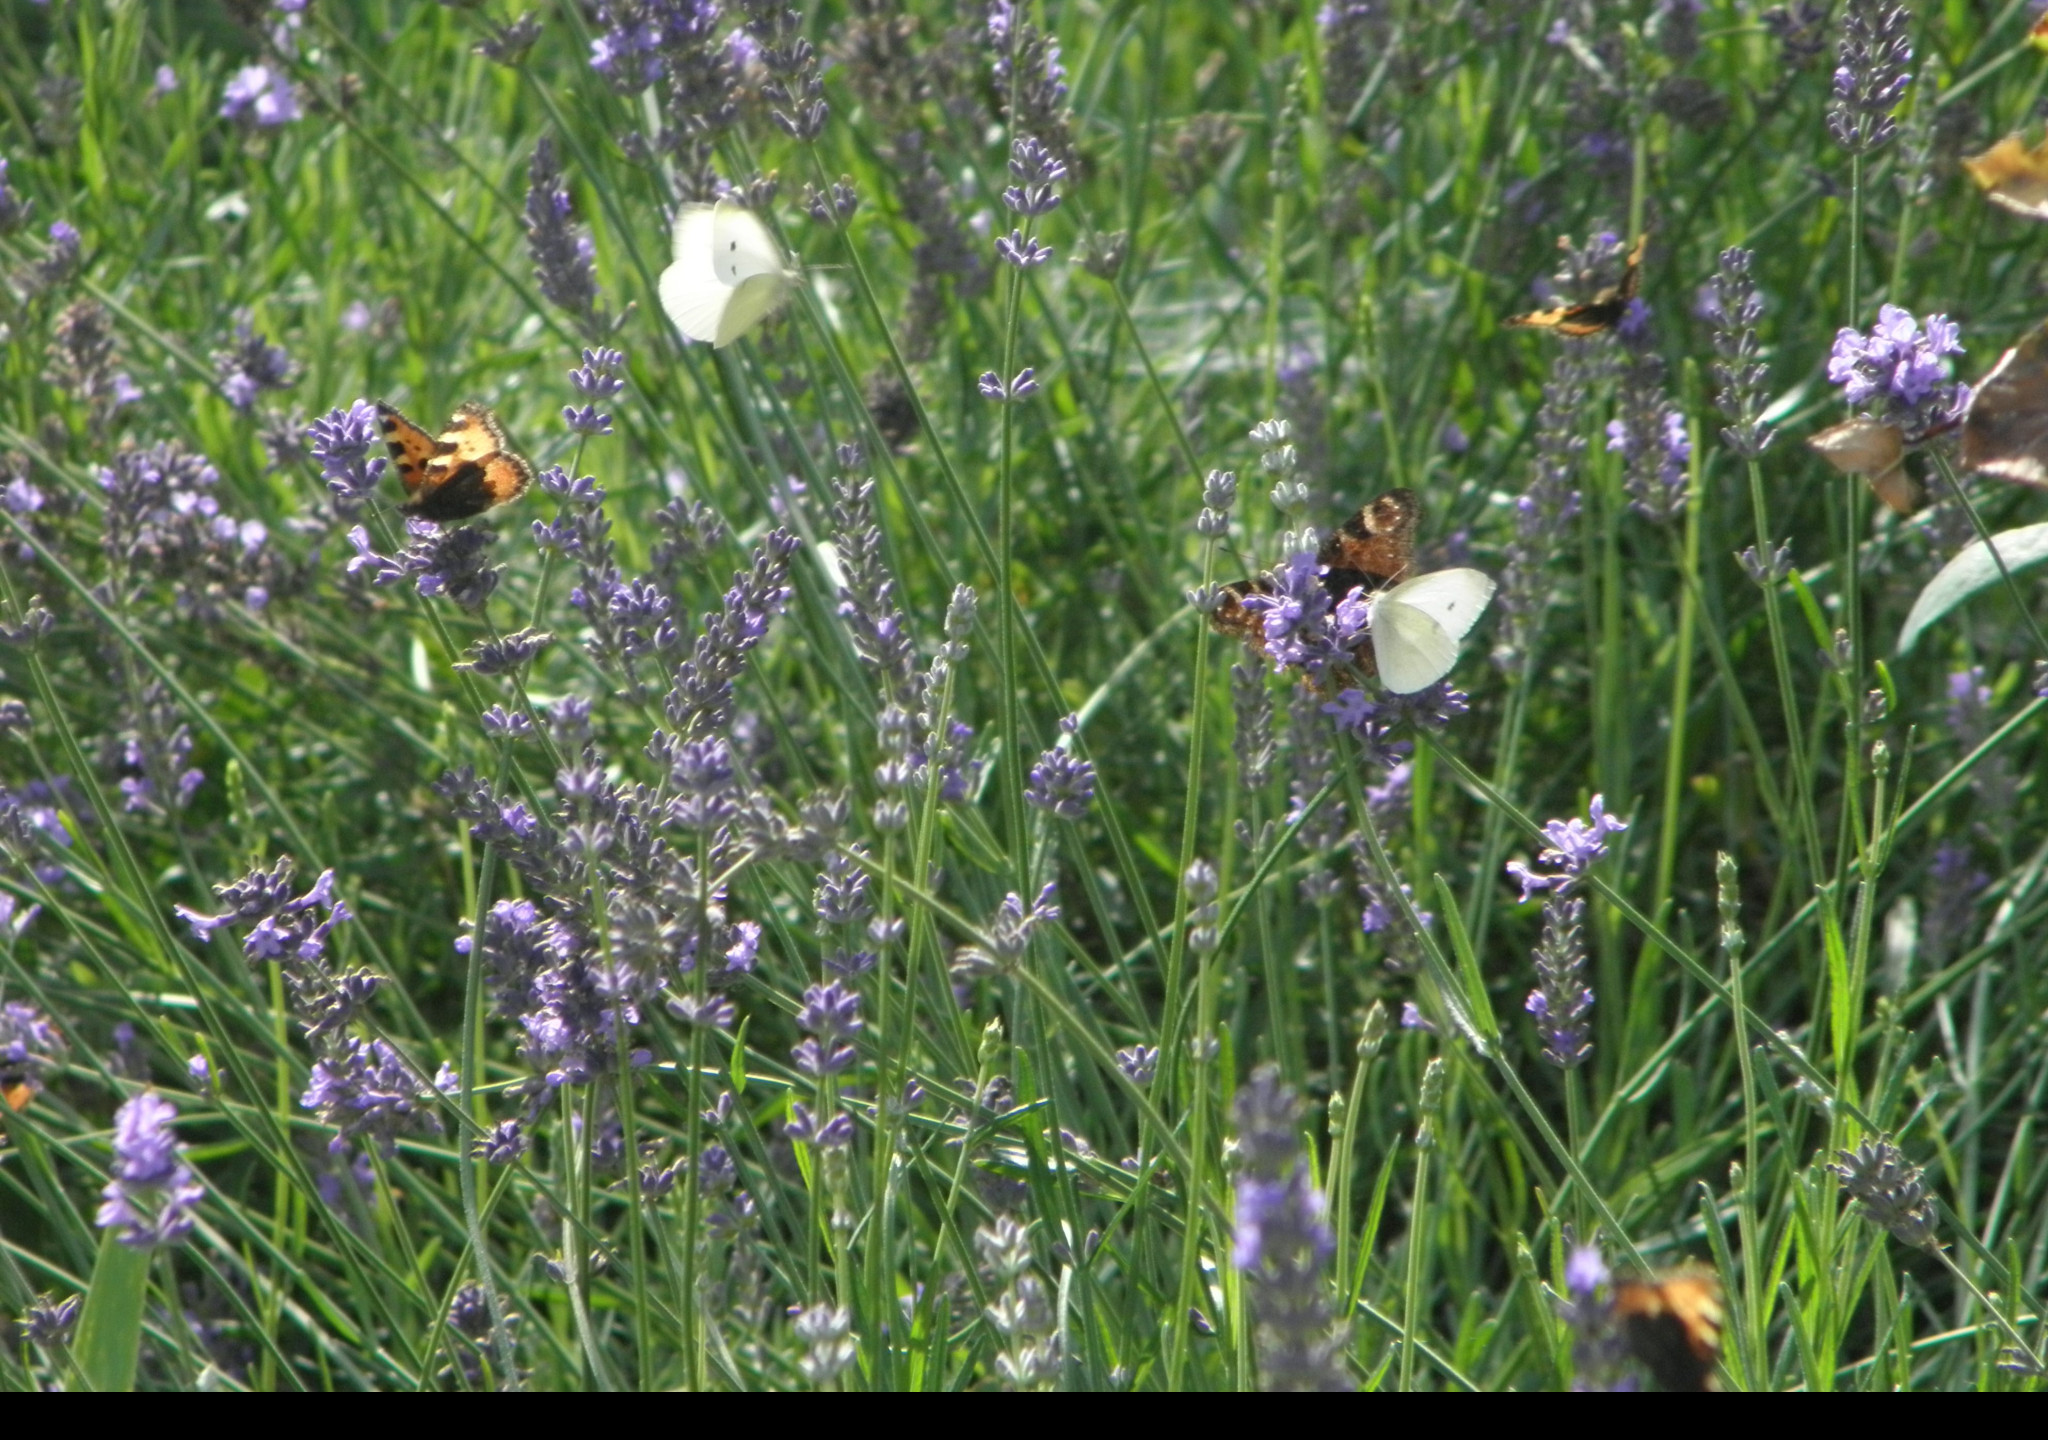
x: 729, y: 274
x: 1416, y: 625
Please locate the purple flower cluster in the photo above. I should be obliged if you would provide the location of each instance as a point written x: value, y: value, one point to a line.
x: 913, y: 732
x: 684, y: 48
x: 1007, y: 936
x: 598, y: 378
x: 440, y: 562
x: 1034, y: 171
x: 830, y: 1016
x: 1062, y: 784
x: 1954, y: 883
x: 1547, y: 507
x: 994, y: 387
x: 1304, y: 630
x: 293, y: 931
x: 57, y: 263
x: 49, y: 1322
x: 1283, y: 1242
x: 152, y: 1193
x: 793, y: 90
x: 368, y: 1091
x: 151, y: 752
x: 259, y: 95
x: 1970, y: 722
x: 700, y: 700
x: 1384, y: 915
x: 341, y: 441
x: 1574, y: 847
x: 251, y: 366
x: 162, y: 522
x: 32, y: 821
x: 1897, y: 373
x: 629, y: 621
x: 1648, y: 431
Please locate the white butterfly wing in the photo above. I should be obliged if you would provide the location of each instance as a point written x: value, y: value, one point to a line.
x: 741, y: 246
x: 757, y: 297
x: 690, y: 289
x: 1455, y: 599
x: 692, y: 233
x: 1413, y: 651
x: 1416, y: 626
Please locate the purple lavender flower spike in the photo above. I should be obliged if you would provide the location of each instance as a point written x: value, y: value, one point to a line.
x: 150, y: 1199
x: 562, y: 254
x: 1871, y: 75
x: 1283, y: 1242
x: 1061, y: 784
x: 1562, y: 998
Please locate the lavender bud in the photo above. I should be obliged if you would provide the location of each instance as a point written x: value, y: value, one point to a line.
x: 1889, y: 1191
x: 1735, y: 307
x: 1870, y: 75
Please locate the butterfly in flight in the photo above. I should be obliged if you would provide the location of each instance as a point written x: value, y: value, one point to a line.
x: 1414, y: 623
x: 729, y: 274
x: 2005, y: 431
x: 465, y: 470
x: 2013, y: 177
x: 1602, y: 312
x: 1673, y: 1327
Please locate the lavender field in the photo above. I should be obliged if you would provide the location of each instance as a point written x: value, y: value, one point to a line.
x: 1093, y: 694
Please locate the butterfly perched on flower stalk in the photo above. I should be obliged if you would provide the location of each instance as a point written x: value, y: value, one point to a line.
x: 1413, y: 622
x: 465, y: 470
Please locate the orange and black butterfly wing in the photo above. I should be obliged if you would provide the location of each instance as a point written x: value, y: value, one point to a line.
x: 1603, y: 312
x: 463, y: 488
x: 470, y: 469
x: 1374, y: 548
x: 1673, y: 1327
x: 412, y: 448
x: 1231, y: 616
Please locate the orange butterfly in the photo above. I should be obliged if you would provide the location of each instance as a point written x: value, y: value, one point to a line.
x: 1602, y: 312
x: 1673, y: 1326
x: 464, y: 471
x: 1374, y: 549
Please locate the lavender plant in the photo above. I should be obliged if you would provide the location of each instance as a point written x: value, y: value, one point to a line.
x: 799, y: 898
